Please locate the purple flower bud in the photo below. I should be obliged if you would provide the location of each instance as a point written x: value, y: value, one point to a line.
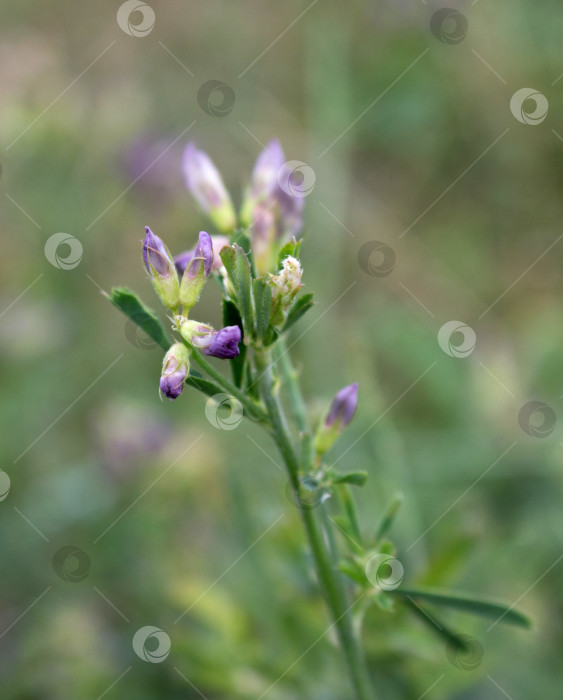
x: 204, y: 182
x: 175, y: 370
x: 156, y: 256
x: 161, y: 269
x: 218, y: 242
x: 202, y: 258
x: 343, y: 406
x: 197, y: 270
x: 222, y: 343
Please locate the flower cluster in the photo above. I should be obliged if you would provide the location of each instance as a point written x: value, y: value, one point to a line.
x: 270, y: 215
x: 179, y: 283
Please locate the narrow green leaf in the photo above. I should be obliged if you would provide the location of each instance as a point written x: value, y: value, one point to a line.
x: 263, y: 306
x: 231, y: 317
x: 343, y: 526
x: 301, y: 306
x: 486, y: 608
x: 129, y: 304
x: 389, y: 517
x: 351, y: 569
x: 351, y: 512
x: 206, y: 386
x: 238, y: 268
x: 353, y: 478
x: 437, y: 626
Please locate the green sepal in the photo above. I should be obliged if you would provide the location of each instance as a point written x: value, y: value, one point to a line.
x: 129, y: 304
x: 231, y: 317
x: 238, y: 268
x: 477, y: 606
x: 263, y: 307
x: 299, y: 308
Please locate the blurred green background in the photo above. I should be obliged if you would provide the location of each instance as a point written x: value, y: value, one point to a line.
x: 420, y: 138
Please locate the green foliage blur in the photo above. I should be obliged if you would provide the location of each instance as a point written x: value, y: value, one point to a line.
x: 171, y: 512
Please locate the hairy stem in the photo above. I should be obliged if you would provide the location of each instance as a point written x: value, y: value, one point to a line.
x: 328, y: 577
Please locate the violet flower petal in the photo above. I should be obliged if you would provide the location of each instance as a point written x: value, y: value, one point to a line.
x: 224, y: 343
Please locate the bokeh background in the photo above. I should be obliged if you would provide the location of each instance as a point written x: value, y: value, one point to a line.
x: 413, y: 144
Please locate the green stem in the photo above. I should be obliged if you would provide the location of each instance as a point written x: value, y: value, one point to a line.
x: 290, y: 378
x: 253, y: 408
x: 328, y: 577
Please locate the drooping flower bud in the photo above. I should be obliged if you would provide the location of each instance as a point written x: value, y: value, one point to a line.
x: 222, y: 343
x: 263, y: 180
x: 205, y: 184
x: 218, y: 242
x: 197, y: 270
x: 175, y: 370
x: 160, y: 266
x: 285, y: 286
x: 341, y: 412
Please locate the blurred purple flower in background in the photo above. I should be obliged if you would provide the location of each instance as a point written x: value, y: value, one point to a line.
x: 343, y: 406
x: 204, y: 182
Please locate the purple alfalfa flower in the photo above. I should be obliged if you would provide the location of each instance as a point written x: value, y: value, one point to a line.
x: 197, y: 270
x: 272, y: 208
x: 263, y: 180
x: 161, y: 269
x: 290, y: 217
x: 340, y: 413
x: 204, y: 182
x: 343, y: 406
x: 175, y: 370
x: 222, y: 343
x: 218, y: 243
